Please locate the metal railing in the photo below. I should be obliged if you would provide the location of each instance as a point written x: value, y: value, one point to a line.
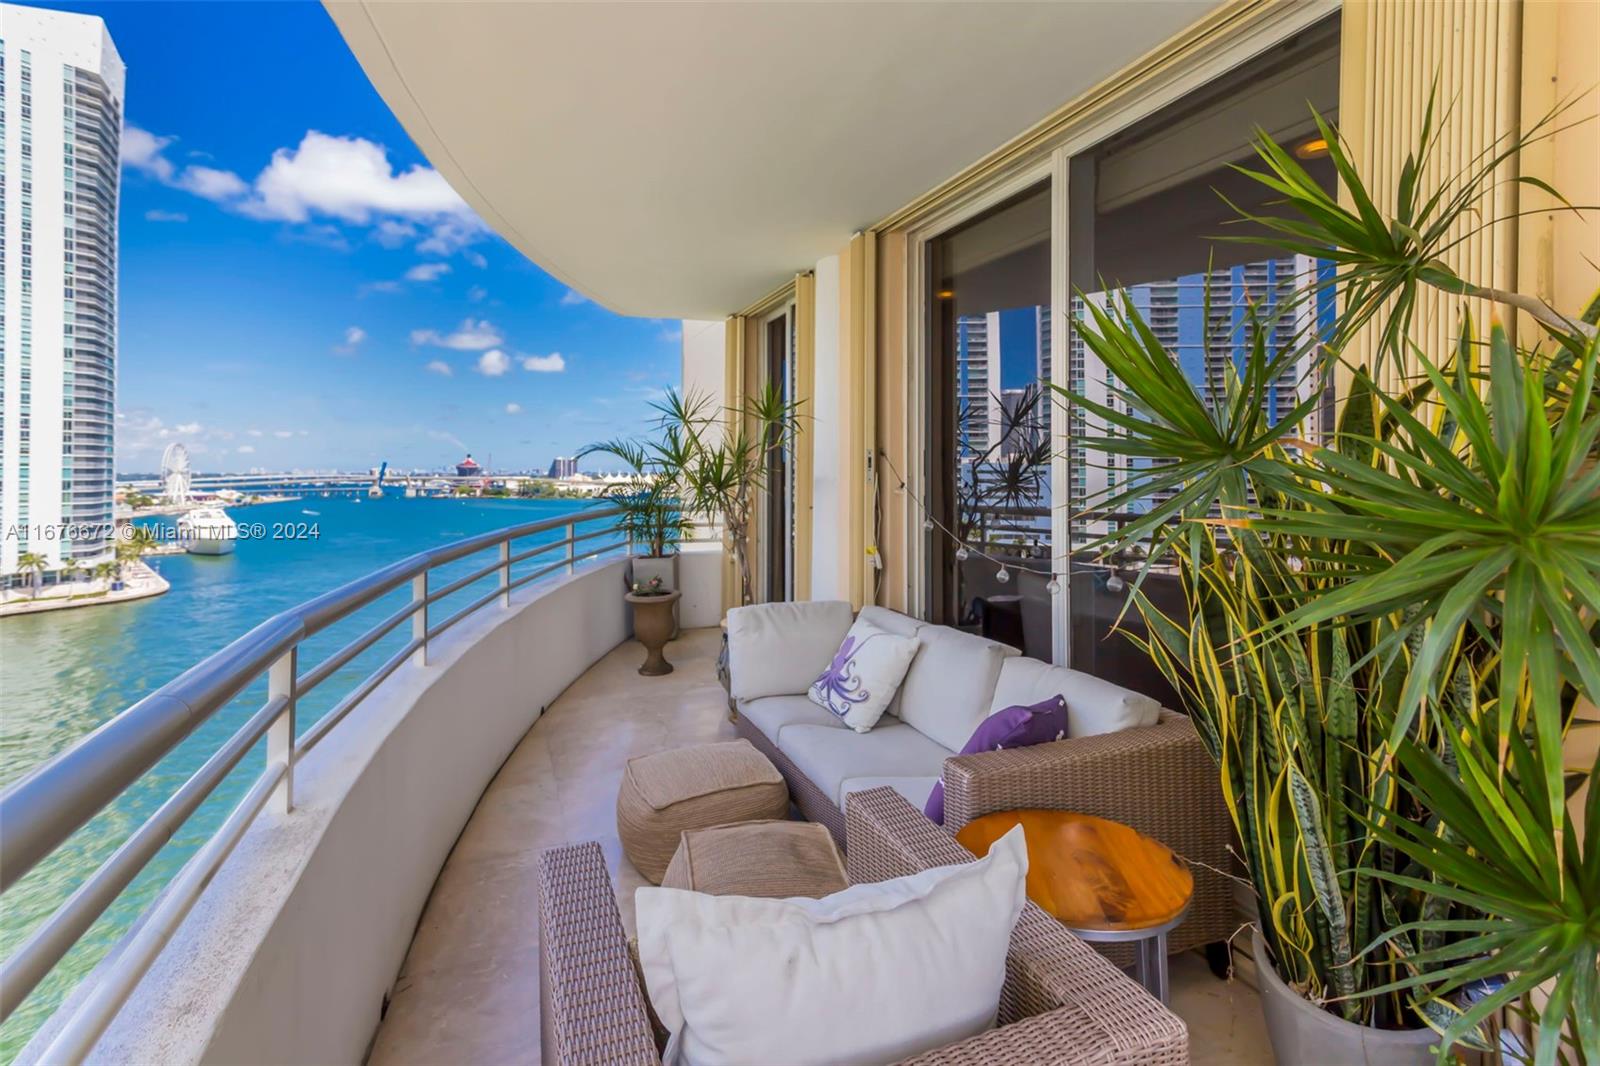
x: 40, y: 812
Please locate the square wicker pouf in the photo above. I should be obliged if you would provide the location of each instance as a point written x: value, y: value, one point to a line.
x: 772, y: 860
x: 665, y: 794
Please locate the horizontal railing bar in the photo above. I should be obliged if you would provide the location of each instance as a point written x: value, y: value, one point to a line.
x: 77, y: 1037
x: 50, y: 803
x: 335, y: 714
x: 481, y: 601
x: 542, y: 571
x: 325, y: 669
x: 462, y: 582
x: 542, y: 548
x: 29, y: 964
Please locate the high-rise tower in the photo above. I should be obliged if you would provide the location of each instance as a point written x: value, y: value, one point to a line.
x: 61, y: 92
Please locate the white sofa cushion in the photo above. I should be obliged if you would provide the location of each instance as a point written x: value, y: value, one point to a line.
x: 864, y: 675
x: 894, y: 622
x: 915, y: 789
x: 771, y: 714
x: 829, y: 755
x: 877, y: 973
x: 778, y: 649
x: 950, y: 684
x: 1094, y: 705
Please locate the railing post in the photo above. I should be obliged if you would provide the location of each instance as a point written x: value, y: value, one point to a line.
x: 505, y: 573
x: 280, y: 734
x: 419, y: 618
x: 572, y: 549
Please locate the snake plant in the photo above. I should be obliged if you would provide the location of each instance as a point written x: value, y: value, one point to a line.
x: 1388, y: 624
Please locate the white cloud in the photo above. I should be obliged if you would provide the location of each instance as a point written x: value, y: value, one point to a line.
x: 246, y: 449
x: 572, y: 298
x: 672, y: 336
x: 477, y: 294
x: 471, y: 336
x: 156, y: 215
x: 544, y: 364
x: 187, y: 428
x: 349, y: 178
x: 380, y: 286
x: 392, y: 233
x: 439, y: 366
x: 283, y: 434
x: 513, y: 408
x: 209, y: 183
x: 253, y: 432
x: 477, y: 259
x: 493, y: 363
x: 353, y: 336
x: 142, y: 150
x: 448, y: 438
x: 427, y: 271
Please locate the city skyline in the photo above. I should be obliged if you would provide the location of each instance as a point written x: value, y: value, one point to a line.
x: 300, y: 290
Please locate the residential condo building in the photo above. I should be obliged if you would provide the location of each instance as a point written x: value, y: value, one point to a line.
x: 61, y: 93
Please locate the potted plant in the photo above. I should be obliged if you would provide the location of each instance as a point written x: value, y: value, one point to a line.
x: 653, y: 622
x: 1387, y: 629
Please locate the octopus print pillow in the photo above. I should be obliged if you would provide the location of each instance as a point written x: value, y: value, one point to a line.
x: 864, y: 676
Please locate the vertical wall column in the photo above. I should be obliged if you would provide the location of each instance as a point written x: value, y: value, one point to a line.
x: 1469, y: 53
x: 733, y: 391
x: 858, y: 403
x: 805, y: 362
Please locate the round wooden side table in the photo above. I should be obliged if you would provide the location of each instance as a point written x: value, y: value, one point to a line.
x: 1099, y: 878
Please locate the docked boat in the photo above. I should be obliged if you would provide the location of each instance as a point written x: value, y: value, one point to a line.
x: 207, y: 531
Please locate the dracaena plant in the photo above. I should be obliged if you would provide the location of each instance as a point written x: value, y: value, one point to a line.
x: 1388, y: 625
x: 705, y: 462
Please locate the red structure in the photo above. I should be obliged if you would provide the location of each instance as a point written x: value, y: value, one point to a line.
x: 468, y: 467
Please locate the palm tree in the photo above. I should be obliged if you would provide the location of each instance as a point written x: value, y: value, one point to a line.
x: 71, y: 569
x: 33, y: 563
x: 105, y: 572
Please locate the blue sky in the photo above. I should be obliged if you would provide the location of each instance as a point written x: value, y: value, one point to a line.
x: 300, y: 290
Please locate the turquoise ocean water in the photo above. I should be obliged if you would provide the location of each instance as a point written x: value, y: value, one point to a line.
x: 64, y: 673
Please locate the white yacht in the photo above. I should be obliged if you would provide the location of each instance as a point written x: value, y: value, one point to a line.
x: 207, y: 531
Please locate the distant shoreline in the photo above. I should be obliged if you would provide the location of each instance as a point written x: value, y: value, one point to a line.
x: 141, y: 583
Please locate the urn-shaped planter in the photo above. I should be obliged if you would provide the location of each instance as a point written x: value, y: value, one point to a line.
x: 1301, y: 1031
x: 652, y: 626
x: 665, y: 567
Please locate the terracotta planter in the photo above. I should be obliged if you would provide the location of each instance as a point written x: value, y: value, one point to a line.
x: 653, y: 625
x: 1303, y: 1032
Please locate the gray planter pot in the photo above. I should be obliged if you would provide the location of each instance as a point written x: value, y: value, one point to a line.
x: 1302, y: 1032
x: 665, y: 567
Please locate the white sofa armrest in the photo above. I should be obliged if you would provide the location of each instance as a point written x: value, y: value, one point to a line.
x: 779, y: 649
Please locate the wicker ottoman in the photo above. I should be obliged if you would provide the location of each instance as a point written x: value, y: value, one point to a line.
x: 773, y: 860
x: 664, y: 794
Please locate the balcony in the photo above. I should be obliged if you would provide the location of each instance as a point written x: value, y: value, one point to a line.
x: 373, y: 892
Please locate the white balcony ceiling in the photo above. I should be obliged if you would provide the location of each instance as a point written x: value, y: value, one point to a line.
x: 681, y: 160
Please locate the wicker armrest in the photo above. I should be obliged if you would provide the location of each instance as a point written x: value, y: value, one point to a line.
x: 593, y: 1011
x: 1061, y: 998
x: 1159, y: 780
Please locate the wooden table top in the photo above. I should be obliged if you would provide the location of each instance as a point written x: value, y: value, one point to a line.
x: 1091, y: 873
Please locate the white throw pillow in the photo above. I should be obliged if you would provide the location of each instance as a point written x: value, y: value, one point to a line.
x: 874, y: 974
x: 864, y: 675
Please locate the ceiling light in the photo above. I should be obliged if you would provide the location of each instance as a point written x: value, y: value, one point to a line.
x: 1315, y: 148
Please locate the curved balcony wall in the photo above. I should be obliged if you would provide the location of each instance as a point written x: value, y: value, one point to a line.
x: 288, y: 955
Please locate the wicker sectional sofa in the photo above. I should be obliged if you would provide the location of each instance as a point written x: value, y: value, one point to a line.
x: 1061, y: 1002
x: 1124, y: 758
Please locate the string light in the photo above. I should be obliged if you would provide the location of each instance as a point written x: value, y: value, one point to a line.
x: 962, y: 553
x: 1296, y: 564
x: 1114, y: 583
x: 1052, y: 586
x: 927, y: 525
x: 1003, y: 575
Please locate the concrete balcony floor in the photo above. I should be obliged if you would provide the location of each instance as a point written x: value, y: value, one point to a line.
x: 468, y: 992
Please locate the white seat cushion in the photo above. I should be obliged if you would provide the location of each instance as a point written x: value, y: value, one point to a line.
x: 771, y: 714
x: 1094, y: 705
x: 880, y: 972
x: 947, y: 691
x: 830, y: 756
x: 915, y: 789
x: 778, y: 649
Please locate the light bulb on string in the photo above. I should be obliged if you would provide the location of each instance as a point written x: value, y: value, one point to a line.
x: 1296, y: 564
x: 962, y: 553
x: 1113, y: 583
x: 1003, y: 575
x: 1052, y: 586
x: 927, y: 525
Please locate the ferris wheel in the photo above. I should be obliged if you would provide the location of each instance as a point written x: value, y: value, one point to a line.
x: 175, y: 472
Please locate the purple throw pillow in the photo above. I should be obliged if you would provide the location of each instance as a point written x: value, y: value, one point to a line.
x: 1014, y: 727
